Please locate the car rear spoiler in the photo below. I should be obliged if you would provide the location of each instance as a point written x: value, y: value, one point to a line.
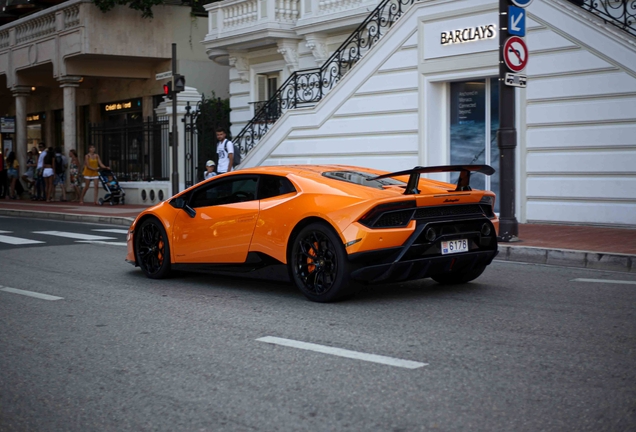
x: 463, y: 183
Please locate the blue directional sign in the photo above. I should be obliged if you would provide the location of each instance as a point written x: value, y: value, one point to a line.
x: 522, y: 3
x: 516, y: 21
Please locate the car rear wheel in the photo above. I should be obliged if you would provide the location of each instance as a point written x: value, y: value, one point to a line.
x: 459, y: 277
x: 319, y: 266
x: 152, y: 250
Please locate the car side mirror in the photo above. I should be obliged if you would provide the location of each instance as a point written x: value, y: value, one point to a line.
x: 180, y: 203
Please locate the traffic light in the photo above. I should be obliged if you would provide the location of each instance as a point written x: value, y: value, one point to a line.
x: 167, y: 90
x: 179, y: 83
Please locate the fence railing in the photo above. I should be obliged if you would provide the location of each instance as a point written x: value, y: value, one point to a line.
x: 134, y: 151
x: 307, y: 87
x: 621, y: 13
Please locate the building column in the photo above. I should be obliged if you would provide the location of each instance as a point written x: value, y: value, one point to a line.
x: 69, y: 85
x: 20, y: 146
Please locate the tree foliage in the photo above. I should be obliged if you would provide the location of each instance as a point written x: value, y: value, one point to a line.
x: 144, y: 6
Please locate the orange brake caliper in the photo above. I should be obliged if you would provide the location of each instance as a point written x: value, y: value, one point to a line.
x: 310, y: 266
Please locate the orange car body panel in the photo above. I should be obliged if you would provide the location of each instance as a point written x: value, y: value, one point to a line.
x: 223, y: 234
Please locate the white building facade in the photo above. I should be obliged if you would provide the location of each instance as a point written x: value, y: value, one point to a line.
x: 69, y: 66
x: 414, y: 100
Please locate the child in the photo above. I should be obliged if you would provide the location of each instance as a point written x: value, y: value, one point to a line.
x: 209, y: 170
x: 112, y: 183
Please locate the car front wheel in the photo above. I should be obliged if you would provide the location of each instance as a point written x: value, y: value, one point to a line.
x: 319, y: 266
x: 152, y: 250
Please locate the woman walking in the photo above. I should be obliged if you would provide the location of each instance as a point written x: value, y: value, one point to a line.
x: 48, y: 173
x: 12, y: 173
x: 92, y: 164
x: 74, y: 171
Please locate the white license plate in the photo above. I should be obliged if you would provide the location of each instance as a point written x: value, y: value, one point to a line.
x: 454, y: 246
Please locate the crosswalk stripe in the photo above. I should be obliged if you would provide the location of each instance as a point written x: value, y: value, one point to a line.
x: 17, y: 240
x: 71, y: 235
x: 103, y: 242
x: 112, y: 230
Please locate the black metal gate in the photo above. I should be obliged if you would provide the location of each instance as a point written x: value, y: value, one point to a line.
x: 199, y: 141
x: 134, y: 151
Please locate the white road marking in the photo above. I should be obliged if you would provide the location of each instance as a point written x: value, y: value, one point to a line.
x: 31, y: 294
x: 624, y: 282
x: 5, y: 232
x: 16, y: 240
x: 374, y: 358
x: 112, y: 230
x: 102, y: 242
x: 71, y: 235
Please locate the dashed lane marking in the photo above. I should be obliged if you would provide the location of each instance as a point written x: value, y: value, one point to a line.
x: 30, y: 294
x: 623, y: 282
x: 112, y: 230
x: 16, y: 240
x: 72, y: 235
x: 374, y: 358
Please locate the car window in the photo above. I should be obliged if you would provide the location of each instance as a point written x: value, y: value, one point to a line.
x: 271, y: 186
x: 363, y: 179
x: 225, y: 191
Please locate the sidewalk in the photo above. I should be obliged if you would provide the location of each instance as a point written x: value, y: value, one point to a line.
x: 599, y: 248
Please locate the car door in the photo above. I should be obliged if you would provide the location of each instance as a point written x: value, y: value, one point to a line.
x: 221, y: 230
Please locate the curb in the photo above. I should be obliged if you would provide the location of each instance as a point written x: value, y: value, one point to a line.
x: 568, y: 258
x: 70, y: 217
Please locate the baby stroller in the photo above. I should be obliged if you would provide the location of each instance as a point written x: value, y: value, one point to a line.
x: 114, y: 192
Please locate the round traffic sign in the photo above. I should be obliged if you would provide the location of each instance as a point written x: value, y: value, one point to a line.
x: 522, y: 3
x: 515, y: 54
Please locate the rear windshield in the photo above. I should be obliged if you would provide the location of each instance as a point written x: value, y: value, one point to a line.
x: 362, y: 178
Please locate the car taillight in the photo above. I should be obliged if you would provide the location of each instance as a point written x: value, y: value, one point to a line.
x: 377, y: 212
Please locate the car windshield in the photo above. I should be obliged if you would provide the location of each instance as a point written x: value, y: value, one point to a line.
x: 362, y: 178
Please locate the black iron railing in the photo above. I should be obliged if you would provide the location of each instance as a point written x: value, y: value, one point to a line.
x: 307, y: 87
x: 134, y: 151
x: 621, y: 13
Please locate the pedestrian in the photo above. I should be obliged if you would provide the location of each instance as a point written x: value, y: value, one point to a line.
x: 92, y: 164
x: 60, y: 164
x: 3, y: 176
x: 29, y: 174
x: 48, y: 174
x: 225, y: 150
x: 13, y: 167
x: 73, y: 170
x: 40, y: 185
x: 209, y: 169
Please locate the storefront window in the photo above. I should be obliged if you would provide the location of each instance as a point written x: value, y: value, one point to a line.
x: 473, y: 129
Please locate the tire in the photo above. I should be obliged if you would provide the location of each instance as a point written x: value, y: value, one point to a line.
x: 152, y: 249
x: 319, y: 266
x: 100, y: 201
x: 122, y: 202
x: 455, y: 278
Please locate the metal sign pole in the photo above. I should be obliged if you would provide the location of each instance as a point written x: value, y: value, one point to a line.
x: 506, y: 139
x: 175, y: 131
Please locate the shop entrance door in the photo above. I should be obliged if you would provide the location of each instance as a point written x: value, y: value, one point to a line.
x: 473, y: 129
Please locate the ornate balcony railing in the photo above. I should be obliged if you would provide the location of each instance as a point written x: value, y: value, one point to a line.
x: 621, y: 13
x: 237, y: 14
x: 305, y: 88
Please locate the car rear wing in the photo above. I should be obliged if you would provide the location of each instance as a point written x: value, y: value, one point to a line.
x: 463, y: 183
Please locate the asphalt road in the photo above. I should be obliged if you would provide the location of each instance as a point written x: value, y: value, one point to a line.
x: 523, y: 348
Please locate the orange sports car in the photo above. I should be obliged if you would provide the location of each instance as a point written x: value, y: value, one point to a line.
x: 335, y: 227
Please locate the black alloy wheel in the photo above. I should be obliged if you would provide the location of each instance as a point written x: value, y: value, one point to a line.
x: 319, y: 266
x: 152, y: 250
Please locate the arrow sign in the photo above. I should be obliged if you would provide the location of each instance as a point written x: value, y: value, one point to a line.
x: 515, y: 54
x: 522, y: 3
x: 516, y: 21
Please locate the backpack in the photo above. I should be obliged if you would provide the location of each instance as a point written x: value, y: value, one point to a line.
x: 59, y: 164
x: 237, y: 155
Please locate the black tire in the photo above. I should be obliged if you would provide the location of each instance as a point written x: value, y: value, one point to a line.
x: 455, y: 278
x: 100, y: 201
x: 319, y: 266
x: 152, y: 249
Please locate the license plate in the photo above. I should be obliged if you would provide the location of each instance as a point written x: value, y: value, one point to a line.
x: 454, y: 246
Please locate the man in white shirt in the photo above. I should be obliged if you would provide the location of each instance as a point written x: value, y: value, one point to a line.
x: 39, y: 182
x: 225, y: 150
